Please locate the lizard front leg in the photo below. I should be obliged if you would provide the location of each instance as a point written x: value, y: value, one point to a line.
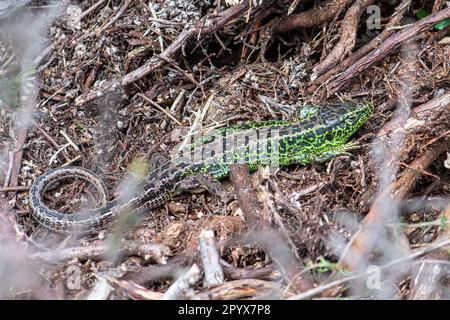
x: 306, y: 157
x: 336, y: 151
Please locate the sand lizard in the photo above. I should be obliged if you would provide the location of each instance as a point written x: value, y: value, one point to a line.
x: 318, y: 135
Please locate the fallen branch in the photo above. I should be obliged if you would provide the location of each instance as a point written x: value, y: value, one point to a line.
x: 251, y: 208
x: 133, y: 290
x: 311, y: 18
x: 396, y: 18
x: 157, y: 252
x: 388, y: 46
x: 239, y: 289
x: 347, y: 37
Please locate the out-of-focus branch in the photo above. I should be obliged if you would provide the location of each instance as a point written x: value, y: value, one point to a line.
x: 423, y: 117
x: 428, y: 272
x: 362, y: 243
x: 157, y: 252
x: 210, y: 259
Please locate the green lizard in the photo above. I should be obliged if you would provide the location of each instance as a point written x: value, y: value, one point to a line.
x: 318, y: 135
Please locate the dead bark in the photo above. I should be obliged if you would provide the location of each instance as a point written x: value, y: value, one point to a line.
x: 210, y: 259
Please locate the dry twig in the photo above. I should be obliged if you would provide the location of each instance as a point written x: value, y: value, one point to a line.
x: 121, y: 10
x: 364, y: 240
x: 157, y: 252
x: 92, y: 8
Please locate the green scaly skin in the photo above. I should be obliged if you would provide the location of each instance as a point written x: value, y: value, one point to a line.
x: 318, y: 135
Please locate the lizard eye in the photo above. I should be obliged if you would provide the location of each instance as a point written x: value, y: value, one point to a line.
x: 331, y: 115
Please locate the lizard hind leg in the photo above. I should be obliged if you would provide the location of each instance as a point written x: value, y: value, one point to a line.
x: 201, y: 182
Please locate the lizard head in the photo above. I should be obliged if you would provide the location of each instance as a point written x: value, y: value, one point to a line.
x: 347, y: 115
